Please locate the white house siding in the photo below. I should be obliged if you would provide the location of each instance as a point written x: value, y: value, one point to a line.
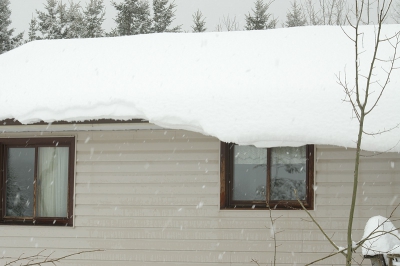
x: 152, y: 198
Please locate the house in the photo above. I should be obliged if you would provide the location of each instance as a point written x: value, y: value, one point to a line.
x: 120, y: 144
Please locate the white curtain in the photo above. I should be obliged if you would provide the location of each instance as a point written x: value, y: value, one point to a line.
x: 249, y: 155
x: 52, y: 185
x: 289, y: 155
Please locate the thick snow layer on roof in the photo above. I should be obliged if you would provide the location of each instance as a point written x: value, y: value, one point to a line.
x: 267, y: 88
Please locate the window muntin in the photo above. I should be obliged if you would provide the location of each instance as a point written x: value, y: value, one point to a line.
x: 251, y: 177
x: 37, y: 178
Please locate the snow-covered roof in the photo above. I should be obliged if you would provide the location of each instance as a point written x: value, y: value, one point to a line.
x: 267, y: 88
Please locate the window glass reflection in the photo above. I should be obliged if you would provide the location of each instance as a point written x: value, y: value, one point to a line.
x: 20, y: 182
x: 249, y: 173
x: 288, y: 173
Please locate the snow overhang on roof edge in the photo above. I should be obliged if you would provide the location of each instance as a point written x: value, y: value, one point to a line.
x: 226, y: 85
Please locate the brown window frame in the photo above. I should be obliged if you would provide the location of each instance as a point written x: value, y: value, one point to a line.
x: 36, y: 143
x: 226, y: 178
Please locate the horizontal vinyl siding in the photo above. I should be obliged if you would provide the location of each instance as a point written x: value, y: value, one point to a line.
x: 152, y: 198
x: 377, y: 192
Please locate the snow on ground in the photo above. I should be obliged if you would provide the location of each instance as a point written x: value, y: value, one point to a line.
x: 267, y: 88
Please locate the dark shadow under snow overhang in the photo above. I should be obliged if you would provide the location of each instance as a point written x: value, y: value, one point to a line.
x: 14, y: 122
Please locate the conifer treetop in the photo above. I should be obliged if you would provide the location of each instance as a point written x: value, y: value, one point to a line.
x: 163, y: 16
x: 93, y: 19
x: 133, y: 17
x: 295, y: 17
x: 199, y: 22
x: 7, y: 41
x: 260, y: 19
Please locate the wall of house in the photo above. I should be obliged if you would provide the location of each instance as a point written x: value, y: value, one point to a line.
x: 152, y: 198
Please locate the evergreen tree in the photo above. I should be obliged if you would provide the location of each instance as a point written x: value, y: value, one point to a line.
x: 93, y: 19
x: 7, y: 41
x: 74, y: 22
x: 61, y: 21
x: 33, y: 27
x: 48, y: 21
x: 163, y: 15
x: 133, y: 18
x: 199, y: 23
x: 58, y: 21
x: 112, y: 33
x: 295, y: 17
x: 260, y: 20
x: 16, y: 198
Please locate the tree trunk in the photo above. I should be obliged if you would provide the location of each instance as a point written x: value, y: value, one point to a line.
x: 354, y: 196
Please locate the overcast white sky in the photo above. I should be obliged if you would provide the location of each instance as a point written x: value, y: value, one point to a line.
x: 213, y: 10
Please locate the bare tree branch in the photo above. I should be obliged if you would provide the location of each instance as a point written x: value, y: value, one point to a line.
x: 317, y: 224
x: 388, y: 150
x: 381, y: 132
x: 388, y: 73
x: 326, y: 257
x: 227, y: 24
x: 40, y: 259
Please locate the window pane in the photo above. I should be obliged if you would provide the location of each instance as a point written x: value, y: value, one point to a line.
x: 288, y: 172
x: 20, y: 178
x: 52, y: 189
x: 249, y: 173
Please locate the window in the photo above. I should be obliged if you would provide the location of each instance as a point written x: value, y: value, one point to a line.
x: 254, y: 177
x: 37, y: 180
